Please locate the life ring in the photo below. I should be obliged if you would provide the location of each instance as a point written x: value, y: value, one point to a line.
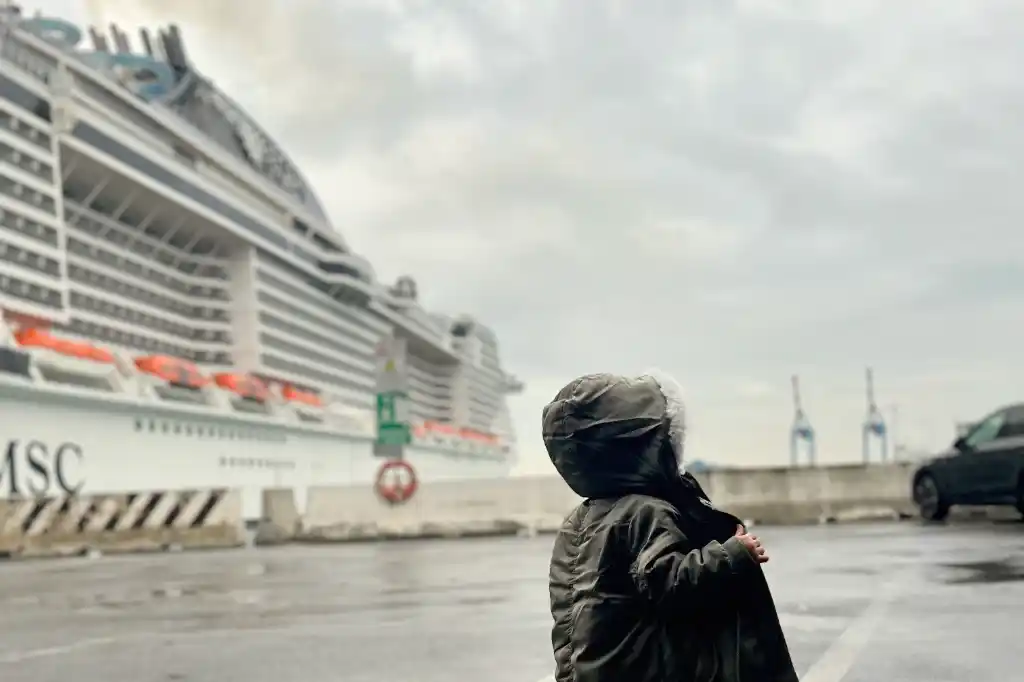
x: 396, y: 481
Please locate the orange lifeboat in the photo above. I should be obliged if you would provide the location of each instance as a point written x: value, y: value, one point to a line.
x: 478, y: 437
x: 437, y: 428
x: 244, y: 385
x: 172, y: 370
x: 294, y: 395
x: 39, y: 338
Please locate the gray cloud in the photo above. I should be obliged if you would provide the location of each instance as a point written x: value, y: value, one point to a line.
x: 733, y: 191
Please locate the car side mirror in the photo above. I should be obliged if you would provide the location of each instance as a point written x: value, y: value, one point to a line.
x: 961, y: 444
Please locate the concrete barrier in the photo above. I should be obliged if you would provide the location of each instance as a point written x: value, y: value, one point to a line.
x: 815, y: 495
x: 538, y: 504
x: 444, y: 509
x: 279, y: 521
x: 138, y: 522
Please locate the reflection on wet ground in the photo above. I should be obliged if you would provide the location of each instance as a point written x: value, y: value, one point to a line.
x: 1004, y: 570
x: 477, y: 609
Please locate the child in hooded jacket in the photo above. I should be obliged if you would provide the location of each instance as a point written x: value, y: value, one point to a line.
x: 649, y: 582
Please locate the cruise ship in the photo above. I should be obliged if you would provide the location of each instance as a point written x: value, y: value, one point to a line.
x: 179, y: 312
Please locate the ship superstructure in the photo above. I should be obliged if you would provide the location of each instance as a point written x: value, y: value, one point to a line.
x: 155, y: 242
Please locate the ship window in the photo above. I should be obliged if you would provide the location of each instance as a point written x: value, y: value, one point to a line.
x: 27, y: 195
x: 24, y: 98
x: 24, y: 131
x: 28, y: 292
x: 29, y: 164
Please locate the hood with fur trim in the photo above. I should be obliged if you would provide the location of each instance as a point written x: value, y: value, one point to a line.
x: 611, y: 435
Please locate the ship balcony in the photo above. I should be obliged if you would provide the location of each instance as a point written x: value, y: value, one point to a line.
x: 421, y: 342
x: 347, y: 264
x: 347, y: 287
x: 513, y: 385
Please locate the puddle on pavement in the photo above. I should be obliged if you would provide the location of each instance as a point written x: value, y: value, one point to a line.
x: 980, y: 572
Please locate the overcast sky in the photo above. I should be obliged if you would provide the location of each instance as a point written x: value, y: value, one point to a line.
x: 731, y: 190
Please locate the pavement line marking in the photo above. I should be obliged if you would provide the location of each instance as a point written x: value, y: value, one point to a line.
x: 839, y: 658
x: 20, y: 656
x: 95, y: 642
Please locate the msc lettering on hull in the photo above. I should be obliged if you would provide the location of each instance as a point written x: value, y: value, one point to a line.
x: 34, y: 468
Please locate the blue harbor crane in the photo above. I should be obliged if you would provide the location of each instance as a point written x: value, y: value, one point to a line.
x: 802, y: 432
x: 874, y: 427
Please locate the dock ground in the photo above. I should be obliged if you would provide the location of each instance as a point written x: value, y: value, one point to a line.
x: 864, y: 603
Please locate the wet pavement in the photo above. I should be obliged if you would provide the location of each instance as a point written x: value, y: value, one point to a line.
x: 901, y: 603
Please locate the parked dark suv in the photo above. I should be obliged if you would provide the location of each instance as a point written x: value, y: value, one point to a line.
x: 984, y: 467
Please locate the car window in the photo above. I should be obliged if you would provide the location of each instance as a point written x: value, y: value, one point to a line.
x: 986, y: 431
x: 1013, y: 425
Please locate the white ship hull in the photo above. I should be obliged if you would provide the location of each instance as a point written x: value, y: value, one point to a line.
x: 59, y: 440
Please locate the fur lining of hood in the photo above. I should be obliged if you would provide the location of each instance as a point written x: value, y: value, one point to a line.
x: 675, y: 410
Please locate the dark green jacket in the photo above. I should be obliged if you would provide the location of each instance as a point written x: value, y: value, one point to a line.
x: 647, y: 582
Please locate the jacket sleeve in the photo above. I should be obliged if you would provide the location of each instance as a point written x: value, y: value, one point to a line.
x: 672, y: 573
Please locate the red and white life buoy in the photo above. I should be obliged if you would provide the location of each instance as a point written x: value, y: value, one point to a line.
x: 396, y: 481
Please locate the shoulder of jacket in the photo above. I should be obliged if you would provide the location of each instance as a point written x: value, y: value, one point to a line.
x: 639, y: 502
x: 631, y: 510
x: 574, y: 517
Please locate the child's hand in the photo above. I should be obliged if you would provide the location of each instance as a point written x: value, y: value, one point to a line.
x: 752, y: 544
